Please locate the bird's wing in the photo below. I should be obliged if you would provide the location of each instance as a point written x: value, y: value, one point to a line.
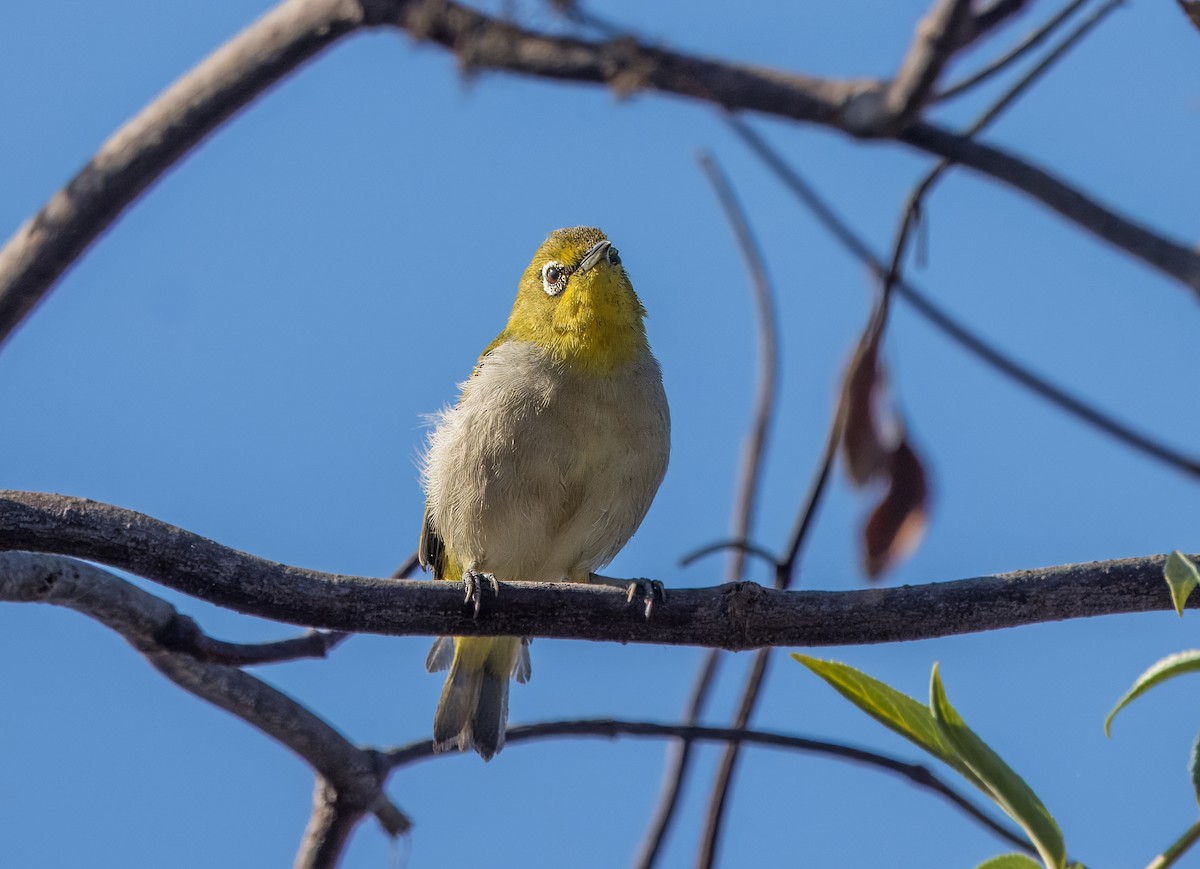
x: 431, y: 551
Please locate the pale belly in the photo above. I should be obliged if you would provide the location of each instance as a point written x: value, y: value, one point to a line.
x: 541, y: 476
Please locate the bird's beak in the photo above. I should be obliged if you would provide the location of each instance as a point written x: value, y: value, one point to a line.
x: 594, y: 255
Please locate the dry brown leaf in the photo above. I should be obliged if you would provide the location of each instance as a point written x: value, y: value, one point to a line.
x: 896, y: 525
x: 863, y: 446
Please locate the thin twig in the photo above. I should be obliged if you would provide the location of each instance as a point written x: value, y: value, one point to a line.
x: 951, y: 327
x: 914, y: 773
x: 183, y: 635
x: 785, y: 569
x: 718, y: 797
x: 678, y: 765
x: 916, y: 197
x: 407, y: 567
x: 785, y: 572
x: 746, y: 546
x: 575, y: 12
x: 749, y: 481
x: 1030, y: 42
x: 767, y: 384
x: 993, y: 15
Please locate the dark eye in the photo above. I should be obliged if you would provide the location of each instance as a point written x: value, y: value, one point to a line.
x: 554, y: 278
x: 614, y: 258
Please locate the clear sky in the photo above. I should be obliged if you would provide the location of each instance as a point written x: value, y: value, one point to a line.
x: 250, y: 351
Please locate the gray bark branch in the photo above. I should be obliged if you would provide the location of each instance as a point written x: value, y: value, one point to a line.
x: 732, y: 616
x: 918, y: 774
x: 140, y: 152
x: 350, y: 780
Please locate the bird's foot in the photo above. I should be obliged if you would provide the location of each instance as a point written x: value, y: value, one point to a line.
x: 649, y: 591
x: 473, y: 582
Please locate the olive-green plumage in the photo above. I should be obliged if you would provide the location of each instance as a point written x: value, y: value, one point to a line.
x: 546, y: 465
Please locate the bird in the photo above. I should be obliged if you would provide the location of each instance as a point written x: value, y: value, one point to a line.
x: 545, y: 466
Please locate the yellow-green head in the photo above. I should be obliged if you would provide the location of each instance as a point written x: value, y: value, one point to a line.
x: 576, y: 301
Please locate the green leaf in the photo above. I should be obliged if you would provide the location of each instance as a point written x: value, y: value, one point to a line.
x: 1010, y: 861
x: 1182, y: 577
x: 1168, y: 668
x: 1194, y: 767
x: 1005, y: 787
x: 1178, y: 848
x: 896, y: 711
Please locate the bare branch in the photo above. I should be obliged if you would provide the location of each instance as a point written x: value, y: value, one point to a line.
x: 760, y: 552
x: 745, y: 501
x: 732, y: 616
x: 139, y: 153
x: 678, y: 765
x: 141, y: 618
x: 181, y: 634
x: 718, y: 797
x: 1173, y: 258
x: 853, y: 106
x: 1039, y: 69
x: 943, y: 30
x: 785, y: 568
x: 329, y: 828
x: 1030, y: 42
x: 406, y: 568
x: 951, y: 327
x: 767, y: 389
x: 350, y: 780
x: 993, y: 15
x: 916, y: 774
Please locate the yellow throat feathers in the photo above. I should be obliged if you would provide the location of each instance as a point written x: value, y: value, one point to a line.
x: 585, y: 313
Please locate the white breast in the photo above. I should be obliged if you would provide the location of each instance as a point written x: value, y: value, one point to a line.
x: 540, y: 474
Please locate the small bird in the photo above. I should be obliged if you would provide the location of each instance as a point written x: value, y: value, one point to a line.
x: 546, y: 465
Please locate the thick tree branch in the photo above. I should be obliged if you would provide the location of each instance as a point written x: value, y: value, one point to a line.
x: 855, y: 106
x: 329, y: 828
x: 352, y: 776
x: 147, y: 146
x: 732, y: 616
x: 139, y: 153
x: 350, y: 780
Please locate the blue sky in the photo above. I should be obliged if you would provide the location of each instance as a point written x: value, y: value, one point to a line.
x: 249, y: 353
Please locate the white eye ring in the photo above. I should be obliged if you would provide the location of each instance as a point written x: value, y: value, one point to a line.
x: 554, y: 278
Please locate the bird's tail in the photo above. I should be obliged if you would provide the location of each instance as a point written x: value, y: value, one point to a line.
x: 473, y: 710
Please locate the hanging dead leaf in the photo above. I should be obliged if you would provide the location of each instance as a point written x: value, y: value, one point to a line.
x: 863, y: 446
x: 896, y: 525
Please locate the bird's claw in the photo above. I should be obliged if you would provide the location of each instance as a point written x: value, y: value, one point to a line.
x: 473, y: 586
x: 649, y: 590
